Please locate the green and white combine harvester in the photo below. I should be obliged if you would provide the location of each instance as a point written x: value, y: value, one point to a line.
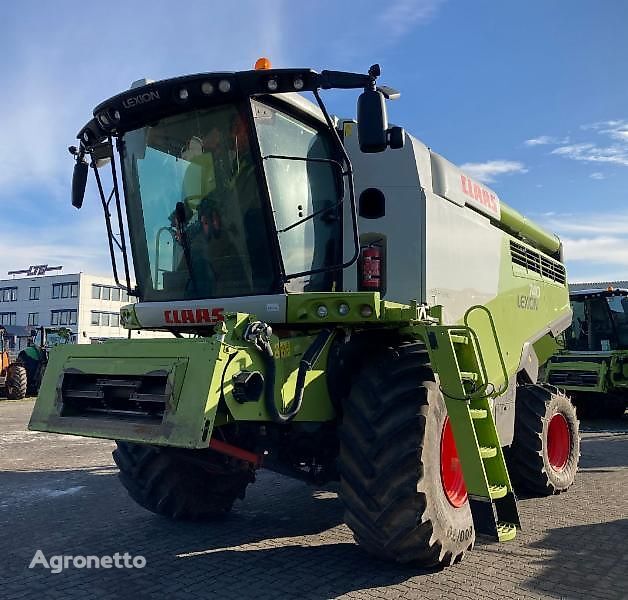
x: 592, y: 365
x: 344, y: 303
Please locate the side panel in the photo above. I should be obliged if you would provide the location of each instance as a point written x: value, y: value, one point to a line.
x: 396, y: 174
x: 468, y: 263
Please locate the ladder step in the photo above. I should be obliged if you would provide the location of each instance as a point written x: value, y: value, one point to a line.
x: 497, y: 491
x: 478, y: 413
x: 459, y: 339
x: 468, y: 376
x: 506, y: 531
x: 488, y: 451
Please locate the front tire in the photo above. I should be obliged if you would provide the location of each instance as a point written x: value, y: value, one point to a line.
x: 181, y: 484
x: 390, y: 464
x: 16, y: 382
x: 546, y: 447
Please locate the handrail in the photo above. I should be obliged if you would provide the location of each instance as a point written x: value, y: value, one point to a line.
x: 497, y: 344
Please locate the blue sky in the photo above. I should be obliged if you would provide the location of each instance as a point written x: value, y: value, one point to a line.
x: 531, y: 96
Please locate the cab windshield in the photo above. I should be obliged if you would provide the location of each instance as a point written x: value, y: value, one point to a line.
x: 600, y: 323
x: 198, y: 209
x: 194, y: 208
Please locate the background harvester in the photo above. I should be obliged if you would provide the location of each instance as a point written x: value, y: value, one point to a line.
x: 592, y: 364
x: 362, y: 310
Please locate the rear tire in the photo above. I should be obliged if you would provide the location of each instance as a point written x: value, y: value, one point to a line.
x: 546, y: 447
x: 181, y: 484
x: 16, y: 382
x: 390, y: 464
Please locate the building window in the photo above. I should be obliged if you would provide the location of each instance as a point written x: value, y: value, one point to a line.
x: 105, y: 319
x: 107, y: 292
x: 7, y: 318
x: 63, y: 317
x: 65, y: 290
x: 33, y: 318
x: 33, y: 293
x: 8, y: 294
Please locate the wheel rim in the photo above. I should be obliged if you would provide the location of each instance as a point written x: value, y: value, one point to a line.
x: 450, y: 470
x: 558, y: 442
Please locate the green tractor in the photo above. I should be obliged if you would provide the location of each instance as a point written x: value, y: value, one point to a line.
x: 34, y: 358
x: 592, y: 366
x: 344, y: 304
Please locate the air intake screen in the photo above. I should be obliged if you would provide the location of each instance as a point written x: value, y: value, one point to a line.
x: 532, y: 260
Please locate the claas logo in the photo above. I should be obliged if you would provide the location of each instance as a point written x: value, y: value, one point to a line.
x: 198, y: 315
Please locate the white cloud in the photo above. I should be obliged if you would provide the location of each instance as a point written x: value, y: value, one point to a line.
x: 595, y: 245
x: 597, y: 175
x: 401, y: 16
x: 544, y: 140
x: 488, y: 171
x: 604, y: 249
x: 612, y: 150
x: 80, y: 247
x: 588, y: 152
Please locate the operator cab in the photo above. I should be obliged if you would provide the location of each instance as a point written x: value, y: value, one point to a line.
x: 600, y: 320
x: 234, y: 185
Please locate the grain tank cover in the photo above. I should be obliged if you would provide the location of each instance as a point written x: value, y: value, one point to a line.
x: 450, y: 182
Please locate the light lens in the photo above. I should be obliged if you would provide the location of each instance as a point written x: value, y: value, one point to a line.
x: 343, y: 309
x: 116, y: 115
x: 104, y: 119
x: 366, y: 310
x: 298, y: 83
x: 261, y: 64
x: 207, y: 88
x: 224, y: 85
x: 272, y: 85
x: 183, y: 94
x: 322, y: 311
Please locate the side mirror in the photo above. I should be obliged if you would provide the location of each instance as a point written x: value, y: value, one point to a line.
x: 372, y: 121
x: 396, y: 138
x: 79, y: 181
x: 374, y: 134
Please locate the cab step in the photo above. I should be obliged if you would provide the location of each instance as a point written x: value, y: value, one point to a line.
x: 497, y: 491
x: 506, y: 531
x: 488, y: 451
x: 478, y: 413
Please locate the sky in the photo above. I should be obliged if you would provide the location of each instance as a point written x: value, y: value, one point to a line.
x: 530, y: 97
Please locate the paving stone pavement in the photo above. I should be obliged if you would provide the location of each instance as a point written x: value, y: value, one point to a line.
x: 60, y: 495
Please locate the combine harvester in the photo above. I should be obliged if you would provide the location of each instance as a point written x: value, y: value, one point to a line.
x: 361, y: 310
x: 592, y: 367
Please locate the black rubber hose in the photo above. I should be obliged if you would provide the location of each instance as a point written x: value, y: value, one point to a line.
x: 307, y: 361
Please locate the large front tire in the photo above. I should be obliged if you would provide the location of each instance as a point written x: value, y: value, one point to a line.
x: 181, y: 484
x: 390, y: 464
x: 546, y: 447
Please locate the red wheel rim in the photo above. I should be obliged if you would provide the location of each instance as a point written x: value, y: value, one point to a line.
x: 558, y: 442
x: 450, y: 470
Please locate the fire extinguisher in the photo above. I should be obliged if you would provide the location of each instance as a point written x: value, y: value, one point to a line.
x: 370, y: 276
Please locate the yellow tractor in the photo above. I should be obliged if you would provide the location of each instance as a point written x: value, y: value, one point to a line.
x: 13, y: 376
